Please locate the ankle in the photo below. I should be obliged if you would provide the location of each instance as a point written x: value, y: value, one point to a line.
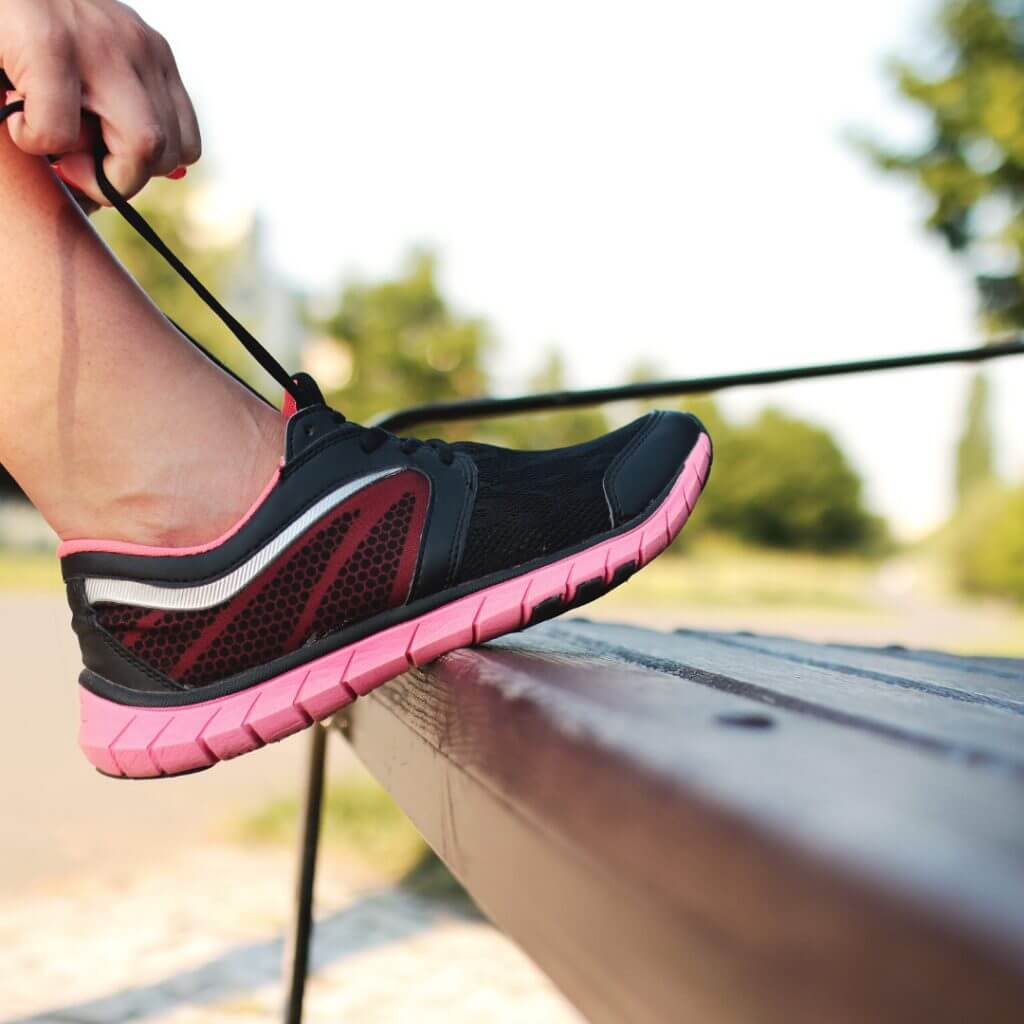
x: 190, y: 494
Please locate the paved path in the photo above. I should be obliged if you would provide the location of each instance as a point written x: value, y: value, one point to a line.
x: 58, y: 815
x: 195, y: 938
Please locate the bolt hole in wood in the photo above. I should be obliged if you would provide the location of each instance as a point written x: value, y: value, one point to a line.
x: 752, y: 720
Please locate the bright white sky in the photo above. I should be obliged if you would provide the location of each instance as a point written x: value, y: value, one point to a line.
x: 664, y: 181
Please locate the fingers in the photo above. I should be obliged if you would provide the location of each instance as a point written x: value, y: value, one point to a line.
x: 188, y: 123
x: 64, y: 55
x: 53, y: 102
x: 137, y: 135
x: 149, y: 128
x: 166, y: 114
x: 141, y: 131
x: 131, y: 159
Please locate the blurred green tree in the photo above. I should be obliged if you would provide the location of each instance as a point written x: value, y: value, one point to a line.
x: 399, y: 343
x: 972, y: 162
x: 972, y: 167
x: 988, y: 542
x: 782, y: 482
x: 974, y: 458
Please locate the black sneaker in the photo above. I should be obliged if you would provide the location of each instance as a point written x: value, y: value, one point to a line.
x: 366, y: 554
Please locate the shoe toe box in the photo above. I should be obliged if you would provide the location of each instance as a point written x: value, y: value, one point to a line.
x: 647, y: 466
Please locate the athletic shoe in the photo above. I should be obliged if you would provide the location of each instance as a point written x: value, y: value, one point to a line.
x: 366, y: 554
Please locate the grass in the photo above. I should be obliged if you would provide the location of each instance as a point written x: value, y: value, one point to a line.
x: 360, y: 819
x: 716, y: 572
x: 362, y: 822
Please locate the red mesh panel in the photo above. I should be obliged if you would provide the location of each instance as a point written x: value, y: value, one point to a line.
x: 357, y: 561
x: 371, y: 579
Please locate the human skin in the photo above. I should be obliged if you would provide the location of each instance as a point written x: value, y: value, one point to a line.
x: 64, y: 56
x: 114, y: 425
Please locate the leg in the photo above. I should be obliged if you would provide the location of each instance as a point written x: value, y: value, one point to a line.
x: 114, y: 426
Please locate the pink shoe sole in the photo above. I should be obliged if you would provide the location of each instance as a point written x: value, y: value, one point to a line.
x: 146, y: 742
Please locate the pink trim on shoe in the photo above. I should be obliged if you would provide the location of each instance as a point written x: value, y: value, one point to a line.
x: 117, y: 547
x: 142, y: 742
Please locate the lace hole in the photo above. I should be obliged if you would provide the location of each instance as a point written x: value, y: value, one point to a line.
x: 310, y: 430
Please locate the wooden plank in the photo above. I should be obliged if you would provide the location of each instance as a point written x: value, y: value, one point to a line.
x: 1012, y: 668
x: 950, y: 721
x: 668, y: 848
x: 973, y: 679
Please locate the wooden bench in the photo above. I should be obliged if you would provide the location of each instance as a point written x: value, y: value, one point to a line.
x: 726, y: 827
x: 715, y: 827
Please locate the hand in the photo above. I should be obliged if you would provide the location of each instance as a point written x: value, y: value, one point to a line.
x: 66, y: 55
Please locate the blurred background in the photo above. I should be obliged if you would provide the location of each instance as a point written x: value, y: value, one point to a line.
x: 427, y: 201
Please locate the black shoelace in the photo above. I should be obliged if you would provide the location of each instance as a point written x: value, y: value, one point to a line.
x: 302, y: 388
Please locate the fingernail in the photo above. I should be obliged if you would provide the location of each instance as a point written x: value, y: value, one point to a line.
x: 63, y: 175
x: 178, y: 173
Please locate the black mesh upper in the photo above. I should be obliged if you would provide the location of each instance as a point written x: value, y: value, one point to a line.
x: 532, y: 504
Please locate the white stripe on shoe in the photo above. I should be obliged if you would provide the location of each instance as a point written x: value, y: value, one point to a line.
x: 207, y: 595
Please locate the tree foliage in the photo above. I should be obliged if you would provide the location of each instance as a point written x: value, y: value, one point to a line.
x: 972, y: 162
x: 989, y: 542
x: 404, y: 344
x: 782, y: 482
x: 778, y: 481
x: 974, y: 458
x: 972, y: 168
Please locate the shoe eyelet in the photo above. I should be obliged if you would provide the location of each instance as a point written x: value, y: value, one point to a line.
x: 310, y: 430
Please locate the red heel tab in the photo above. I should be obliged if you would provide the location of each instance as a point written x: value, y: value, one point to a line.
x: 289, y: 407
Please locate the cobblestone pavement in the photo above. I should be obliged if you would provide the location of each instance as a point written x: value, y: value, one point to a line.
x: 196, y: 938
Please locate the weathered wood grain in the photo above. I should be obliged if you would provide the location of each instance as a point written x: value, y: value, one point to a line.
x: 717, y: 828
x: 944, y: 715
x: 997, y: 682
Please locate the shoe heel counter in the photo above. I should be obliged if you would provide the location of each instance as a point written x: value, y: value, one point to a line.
x: 102, y: 654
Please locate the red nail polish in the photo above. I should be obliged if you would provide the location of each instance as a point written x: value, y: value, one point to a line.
x: 178, y: 173
x: 62, y: 174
